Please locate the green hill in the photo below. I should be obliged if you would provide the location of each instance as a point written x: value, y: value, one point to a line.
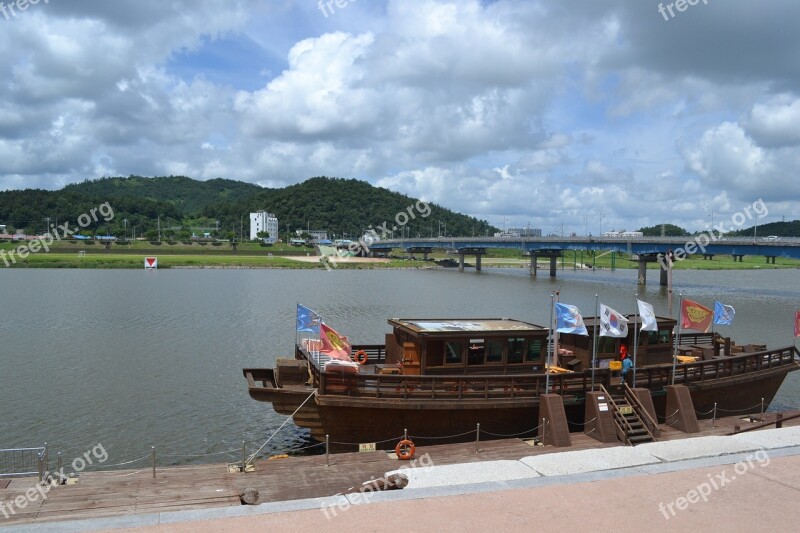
x: 340, y: 206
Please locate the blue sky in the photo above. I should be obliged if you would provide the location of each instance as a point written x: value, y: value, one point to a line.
x: 594, y: 114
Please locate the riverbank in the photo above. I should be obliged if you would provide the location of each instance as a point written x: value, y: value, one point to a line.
x: 295, y: 491
x: 187, y: 257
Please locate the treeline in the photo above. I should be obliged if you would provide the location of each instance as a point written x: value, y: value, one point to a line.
x: 176, y: 205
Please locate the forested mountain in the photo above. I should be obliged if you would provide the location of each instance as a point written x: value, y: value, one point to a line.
x: 340, y: 206
x: 779, y: 229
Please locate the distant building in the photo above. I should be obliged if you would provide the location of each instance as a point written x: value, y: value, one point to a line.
x: 263, y: 221
x: 318, y: 234
x: 525, y: 232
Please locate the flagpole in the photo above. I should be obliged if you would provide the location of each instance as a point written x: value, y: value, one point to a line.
x: 635, y: 335
x: 549, y: 344
x: 594, y: 336
x: 677, y: 338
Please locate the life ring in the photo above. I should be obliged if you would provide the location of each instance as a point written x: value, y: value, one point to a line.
x: 405, y: 450
x: 361, y: 357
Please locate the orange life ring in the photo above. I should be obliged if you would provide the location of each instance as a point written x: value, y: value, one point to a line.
x: 405, y: 450
x: 361, y: 357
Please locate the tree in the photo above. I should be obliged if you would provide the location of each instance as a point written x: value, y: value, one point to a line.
x: 669, y: 230
x: 262, y: 235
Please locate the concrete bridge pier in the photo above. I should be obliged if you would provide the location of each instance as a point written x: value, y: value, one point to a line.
x: 770, y: 259
x: 737, y: 258
x: 643, y: 260
x: 553, y: 255
x: 477, y: 252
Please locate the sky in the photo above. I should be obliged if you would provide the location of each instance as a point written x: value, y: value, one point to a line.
x: 578, y: 116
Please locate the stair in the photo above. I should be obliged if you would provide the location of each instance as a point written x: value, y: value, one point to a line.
x: 629, y: 425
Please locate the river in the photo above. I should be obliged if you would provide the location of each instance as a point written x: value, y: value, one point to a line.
x: 132, y: 359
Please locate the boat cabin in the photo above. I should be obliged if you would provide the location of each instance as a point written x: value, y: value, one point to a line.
x: 655, y: 347
x: 466, y: 346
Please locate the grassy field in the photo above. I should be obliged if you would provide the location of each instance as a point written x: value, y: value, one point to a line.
x: 249, y: 255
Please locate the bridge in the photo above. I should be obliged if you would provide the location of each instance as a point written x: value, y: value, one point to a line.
x: 643, y: 249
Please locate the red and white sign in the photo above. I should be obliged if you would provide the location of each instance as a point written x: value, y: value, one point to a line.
x: 151, y: 262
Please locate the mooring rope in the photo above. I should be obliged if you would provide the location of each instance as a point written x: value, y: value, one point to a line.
x: 250, y: 459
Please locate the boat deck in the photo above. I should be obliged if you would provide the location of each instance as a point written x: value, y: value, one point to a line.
x: 127, y: 492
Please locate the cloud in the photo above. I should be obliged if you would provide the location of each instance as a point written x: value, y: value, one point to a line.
x: 583, y: 114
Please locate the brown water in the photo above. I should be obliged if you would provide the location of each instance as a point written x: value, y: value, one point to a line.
x: 132, y: 359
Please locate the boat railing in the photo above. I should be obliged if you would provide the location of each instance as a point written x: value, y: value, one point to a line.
x: 17, y: 462
x: 484, y: 387
x: 722, y: 367
x: 696, y: 339
x: 376, y: 354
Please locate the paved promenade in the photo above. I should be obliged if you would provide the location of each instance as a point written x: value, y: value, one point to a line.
x: 745, y: 482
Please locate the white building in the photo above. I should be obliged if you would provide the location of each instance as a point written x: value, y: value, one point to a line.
x: 263, y: 221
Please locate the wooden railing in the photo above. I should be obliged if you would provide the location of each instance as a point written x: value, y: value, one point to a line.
x: 700, y: 371
x: 644, y: 416
x: 457, y: 387
x: 696, y: 338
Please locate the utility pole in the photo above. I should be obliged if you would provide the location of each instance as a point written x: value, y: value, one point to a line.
x: 126, y: 228
x: 159, y: 228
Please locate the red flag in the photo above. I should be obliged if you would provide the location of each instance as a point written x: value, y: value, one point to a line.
x: 333, y: 344
x: 797, y: 323
x: 695, y: 316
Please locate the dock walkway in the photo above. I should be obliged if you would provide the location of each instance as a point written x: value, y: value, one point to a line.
x: 131, y: 498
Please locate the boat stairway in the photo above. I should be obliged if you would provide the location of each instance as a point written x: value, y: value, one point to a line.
x: 630, y: 427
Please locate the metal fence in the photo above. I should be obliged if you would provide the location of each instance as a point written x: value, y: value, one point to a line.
x: 23, y: 462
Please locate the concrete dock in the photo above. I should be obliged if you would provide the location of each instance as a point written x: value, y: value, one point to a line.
x: 740, y: 481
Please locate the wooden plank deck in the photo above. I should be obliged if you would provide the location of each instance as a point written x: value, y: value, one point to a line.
x: 127, y: 492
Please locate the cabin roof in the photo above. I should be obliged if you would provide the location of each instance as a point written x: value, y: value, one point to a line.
x: 438, y: 326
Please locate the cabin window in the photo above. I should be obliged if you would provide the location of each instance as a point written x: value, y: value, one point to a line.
x: 534, y: 350
x: 516, y: 350
x: 476, y: 353
x: 494, y: 351
x: 607, y: 345
x: 659, y: 337
x: 453, y: 353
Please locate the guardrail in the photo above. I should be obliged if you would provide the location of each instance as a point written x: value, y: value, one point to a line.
x: 726, y: 366
x: 16, y: 462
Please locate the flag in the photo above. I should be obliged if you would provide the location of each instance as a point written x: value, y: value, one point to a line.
x: 569, y: 320
x: 797, y: 323
x: 307, y: 320
x: 648, y: 316
x: 723, y: 314
x: 612, y: 324
x: 333, y: 344
x: 695, y: 316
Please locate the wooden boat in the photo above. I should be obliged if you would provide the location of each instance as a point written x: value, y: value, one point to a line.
x: 438, y: 378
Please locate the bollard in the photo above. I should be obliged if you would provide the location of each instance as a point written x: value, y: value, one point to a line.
x: 762, y: 408
x: 59, y: 468
x: 154, y: 462
x: 714, y: 418
x: 478, y: 438
x: 40, y: 465
x: 405, y: 434
x: 46, y: 458
x: 544, y: 427
x: 244, y: 466
x: 327, y: 450
x: 779, y: 420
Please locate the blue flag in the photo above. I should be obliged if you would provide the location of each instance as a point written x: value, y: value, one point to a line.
x: 569, y: 320
x: 307, y: 320
x: 723, y: 314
